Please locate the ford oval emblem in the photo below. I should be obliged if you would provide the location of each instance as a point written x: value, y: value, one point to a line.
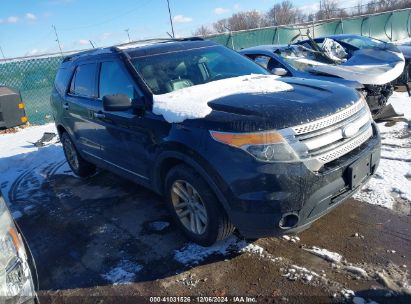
x: 349, y: 130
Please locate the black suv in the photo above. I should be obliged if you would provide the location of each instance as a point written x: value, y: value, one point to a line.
x: 264, y: 161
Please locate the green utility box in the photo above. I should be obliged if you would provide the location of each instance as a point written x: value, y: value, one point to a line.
x: 12, y: 109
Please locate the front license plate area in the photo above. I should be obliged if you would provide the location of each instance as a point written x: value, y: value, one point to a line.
x: 358, y: 171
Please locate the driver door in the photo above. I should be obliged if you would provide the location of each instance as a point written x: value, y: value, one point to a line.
x: 121, y: 133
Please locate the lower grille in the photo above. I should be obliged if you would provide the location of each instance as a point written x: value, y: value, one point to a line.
x: 347, y: 147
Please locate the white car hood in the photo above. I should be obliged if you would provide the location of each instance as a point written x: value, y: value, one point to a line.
x: 367, y: 66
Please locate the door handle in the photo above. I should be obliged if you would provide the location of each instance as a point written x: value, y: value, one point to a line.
x: 65, y: 106
x: 99, y: 115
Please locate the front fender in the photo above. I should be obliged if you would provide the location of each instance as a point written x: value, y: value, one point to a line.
x: 194, y: 160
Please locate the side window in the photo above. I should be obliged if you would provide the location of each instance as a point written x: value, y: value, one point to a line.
x: 114, y: 80
x: 84, y: 80
x: 262, y: 60
x: 269, y: 63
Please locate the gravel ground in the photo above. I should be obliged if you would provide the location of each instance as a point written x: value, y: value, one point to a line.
x: 111, y: 239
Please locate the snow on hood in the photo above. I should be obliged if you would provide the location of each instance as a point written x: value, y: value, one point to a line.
x: 368, y: 66
x: 192, y: 102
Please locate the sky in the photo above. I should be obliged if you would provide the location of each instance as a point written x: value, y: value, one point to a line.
x: 26, y: 26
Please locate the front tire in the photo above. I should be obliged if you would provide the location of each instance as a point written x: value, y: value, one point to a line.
x: 78, y: 164
x: 195, y: 208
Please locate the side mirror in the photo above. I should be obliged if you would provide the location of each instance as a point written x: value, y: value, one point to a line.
x: 116, y: 102
x: 279, y: 71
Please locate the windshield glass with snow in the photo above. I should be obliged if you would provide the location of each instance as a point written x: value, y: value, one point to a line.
x: 299, y: 57
x: 165, y: 73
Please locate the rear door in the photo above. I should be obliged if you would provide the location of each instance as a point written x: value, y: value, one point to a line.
x: 81, y: 101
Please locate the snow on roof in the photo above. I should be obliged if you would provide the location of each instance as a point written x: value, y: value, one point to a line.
x: 192, y: 102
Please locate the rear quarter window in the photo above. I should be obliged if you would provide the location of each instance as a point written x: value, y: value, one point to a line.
x: 62, y: 80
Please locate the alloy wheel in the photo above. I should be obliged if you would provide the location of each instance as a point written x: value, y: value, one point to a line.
x: 71, y: 154
x: 189, y: 207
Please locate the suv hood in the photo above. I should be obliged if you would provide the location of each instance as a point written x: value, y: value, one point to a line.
x: 309, y: 100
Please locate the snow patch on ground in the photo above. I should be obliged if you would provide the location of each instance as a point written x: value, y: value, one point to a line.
x: 325, y: 254
x: 251, y: 248
x: 123, y: 273
x: 347, y: 293
x: 18, y: 155
x: 295, y: 272
x: 356, y: 270
x: 292, y: 239
x: 193, y: 254
x: 392, y: 179
x: 192, y: 102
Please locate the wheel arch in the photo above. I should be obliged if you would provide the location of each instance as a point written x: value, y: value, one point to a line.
x: 168, y: 160
x: 60, y: 130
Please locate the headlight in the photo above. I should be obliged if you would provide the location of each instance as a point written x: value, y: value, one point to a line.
x: 16, y: 284
x: 265, y: 146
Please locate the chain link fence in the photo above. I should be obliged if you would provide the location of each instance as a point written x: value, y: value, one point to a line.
x: 34, y: 76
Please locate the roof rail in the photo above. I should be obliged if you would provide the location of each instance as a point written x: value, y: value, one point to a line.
x: 154, y: 41
x: 76, y: 55
x: 137, y: 43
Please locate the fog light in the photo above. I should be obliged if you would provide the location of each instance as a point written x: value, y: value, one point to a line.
x: 288, y: 221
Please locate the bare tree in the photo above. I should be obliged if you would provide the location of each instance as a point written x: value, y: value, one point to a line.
x: 284, y: 13
x: 221, y: 26
x: 202, y: 31
x: 378, y: 6
x: 328, y: 9
x: 241, y: 21
x: 359, y: 10
x: 246, y: 20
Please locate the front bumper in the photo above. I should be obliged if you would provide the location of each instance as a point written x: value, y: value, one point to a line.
x: 260, y: 200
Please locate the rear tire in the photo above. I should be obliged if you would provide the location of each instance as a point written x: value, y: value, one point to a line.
x: 78, y: 164
x: 195, y: 208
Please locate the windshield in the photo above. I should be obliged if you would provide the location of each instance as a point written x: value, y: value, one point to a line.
x: 300, y: 58
x: 363, y: 42
x: 169, y: 72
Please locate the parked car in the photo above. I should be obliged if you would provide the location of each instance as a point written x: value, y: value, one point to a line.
x: 16, y: 280
x: 376, y: 64
x: 352, y: 43
x: 225, y: 142
x: 274, y: 59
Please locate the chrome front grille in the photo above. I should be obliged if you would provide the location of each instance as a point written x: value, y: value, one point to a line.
x: 328, y: 121
x: 322, y: 141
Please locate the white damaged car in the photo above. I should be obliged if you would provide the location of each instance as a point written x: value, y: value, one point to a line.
x: 371, y: 62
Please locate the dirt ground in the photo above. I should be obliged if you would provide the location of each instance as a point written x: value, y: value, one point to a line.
x: 106, y: 240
